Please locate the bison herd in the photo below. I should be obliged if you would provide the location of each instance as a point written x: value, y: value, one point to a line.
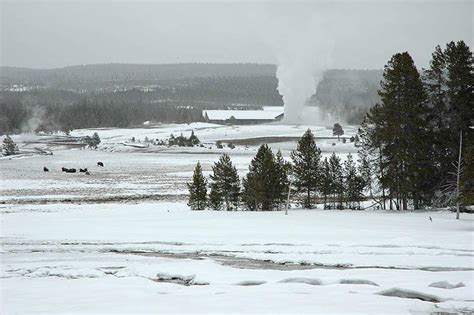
x: 73, y: 170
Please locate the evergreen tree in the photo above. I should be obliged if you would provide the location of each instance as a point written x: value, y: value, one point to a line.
x: 460, y: 72
x: 467, y: 182
x: 193, y: 139
x: 449, y: 83
x: 225, y: 185
x: 337, y: 130
x: 369, y: 147
x: 398, y: 128
x: 283, y: 183
x: 366, y: 172
x: 337, y: 180
x: 306, y: 169
x: 353, y: 184
x: 460, y: 90
x: 326, y: 181
x: 261, y: 190
x: 435, y: 81
x: 9, y: 146
x: 197, y: 190
x: 95, y: 139
x: 215, y: 199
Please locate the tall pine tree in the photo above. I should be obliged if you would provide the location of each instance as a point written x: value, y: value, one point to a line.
x: 326, y: 181
x: 225, y: 185
x: 353, y: 184
x: 197, y: 190
x: 337, y: 181
x: 306, y: 168
x: 283, y: 183
x: 261, y: 190
x: 460, y: 72
x: 399, y: 127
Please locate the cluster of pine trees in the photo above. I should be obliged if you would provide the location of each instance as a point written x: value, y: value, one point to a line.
x: 271, y: 179
x: 9, y: 147
x: 410, y: 140
x: 182, y: 141
x: 92, y: 142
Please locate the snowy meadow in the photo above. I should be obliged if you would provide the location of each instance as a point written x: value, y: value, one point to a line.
x: 123, y: 239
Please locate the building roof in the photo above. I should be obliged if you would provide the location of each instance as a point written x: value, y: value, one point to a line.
x: 243, y: 114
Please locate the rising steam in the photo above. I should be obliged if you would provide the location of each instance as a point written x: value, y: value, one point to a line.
x: 303, y: 43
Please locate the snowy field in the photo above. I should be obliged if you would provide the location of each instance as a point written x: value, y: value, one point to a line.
x: 122, y: 240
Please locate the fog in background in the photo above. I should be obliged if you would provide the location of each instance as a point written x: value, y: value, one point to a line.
x: 362, y: 34
x: 303, y: 38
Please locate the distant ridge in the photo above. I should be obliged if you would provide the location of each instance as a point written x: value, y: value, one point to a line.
x: 130, y: 72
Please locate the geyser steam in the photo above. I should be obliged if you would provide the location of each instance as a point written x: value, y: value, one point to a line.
x: 301, y: 64
x: 302, y: 42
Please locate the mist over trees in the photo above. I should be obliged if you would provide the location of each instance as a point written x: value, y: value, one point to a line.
x: 125, y: 95
x: 103, y: 75
x: 347, y: 95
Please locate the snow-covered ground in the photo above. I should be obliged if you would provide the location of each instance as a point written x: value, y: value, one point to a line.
x: 131, y: 172
x: 123, y: 240
x: 128, y: 257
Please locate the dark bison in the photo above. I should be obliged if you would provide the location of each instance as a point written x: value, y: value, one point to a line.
x: 87, y: 173
x: 100, y: 164
x: 70, y: 170
x: 45, y: 169
x: 64, y: 169
x: 83, y: 170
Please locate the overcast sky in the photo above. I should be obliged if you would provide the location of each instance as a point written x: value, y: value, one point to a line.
x: 352, y: 34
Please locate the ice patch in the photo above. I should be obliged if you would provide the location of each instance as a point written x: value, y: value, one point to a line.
x: 178, y: 279
x: 311, y: 281
x: 250, y: 282
x: 446, y: 285
x: 357, y: 281
x: 409, y: 294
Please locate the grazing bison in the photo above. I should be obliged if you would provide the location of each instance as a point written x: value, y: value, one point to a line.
x: 100, y: 164
x: 83, y: 170
x: 70, y: 170
x: 64, y: 169
x: 45, y: 169
x: 87, y: 173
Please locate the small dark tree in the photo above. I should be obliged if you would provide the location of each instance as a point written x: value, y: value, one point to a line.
x: 353, y: 184
x: 193, y: 139
x: 337, y: 180
x: 326, y: 181
x: 225, y: 185
x: 261, y: 190
x: 283, y: 183
x: 337, y: 130
x: 95, y: 139
x: 306, y: 160
x: 197, y: 190
x: 92, y: 142
x: 9, y: 146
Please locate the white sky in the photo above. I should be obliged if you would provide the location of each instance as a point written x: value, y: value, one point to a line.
x: 361, y: 34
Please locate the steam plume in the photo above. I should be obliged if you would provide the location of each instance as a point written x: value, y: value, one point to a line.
x: 303, y: 44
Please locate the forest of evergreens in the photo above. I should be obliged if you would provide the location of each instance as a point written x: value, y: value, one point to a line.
x: 416, y: 148
x: 126, y: 95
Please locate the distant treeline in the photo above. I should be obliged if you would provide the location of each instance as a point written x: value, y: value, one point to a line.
x: 181, y: 102
x: 163, y: 93
x: 89, y: 113
x: 85, y: 76
x: 348, y: 94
